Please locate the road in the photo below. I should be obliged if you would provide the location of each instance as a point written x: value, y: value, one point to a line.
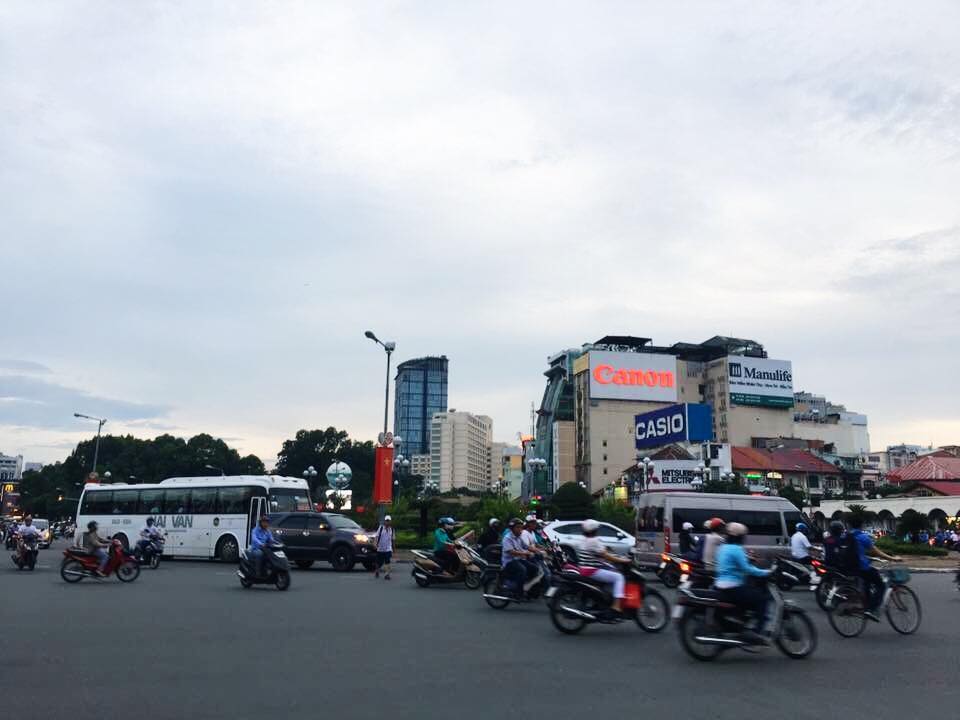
x: 187, y: 641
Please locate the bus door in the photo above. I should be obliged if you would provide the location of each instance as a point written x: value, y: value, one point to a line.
x: 258, y: 507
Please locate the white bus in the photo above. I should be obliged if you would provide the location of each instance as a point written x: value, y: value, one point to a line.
x: 202, y: 517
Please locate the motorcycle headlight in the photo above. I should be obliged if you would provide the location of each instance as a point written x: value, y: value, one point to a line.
x: 361, y: 538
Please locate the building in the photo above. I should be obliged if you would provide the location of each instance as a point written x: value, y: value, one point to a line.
x: 893, y: 458
x: 495, y: 465
x: 460, y: 450
x: 511, y: 474
x: 11, y: 467
x: 563, y: 452
x: 556, y: 407
x: 784, y: 467
x: 816, y: 418
x: 420, y: 465
x: 420, y: 391
x: 936, y: 467
x: 32, y: 467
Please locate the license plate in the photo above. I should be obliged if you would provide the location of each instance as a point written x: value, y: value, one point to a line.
x: 662, y: 565
x: 550, y: 592
x: 279, y: 555
x: 677, y: 612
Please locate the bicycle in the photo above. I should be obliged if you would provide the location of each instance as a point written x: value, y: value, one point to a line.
x: 847, y: 613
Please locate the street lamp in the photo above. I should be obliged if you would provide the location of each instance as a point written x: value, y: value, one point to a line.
x: 100, y: 423
x: 309, y: 475
x: 645, y: 462
x: 535, y: 465
x: 388, y: 347
x: 214, y: 467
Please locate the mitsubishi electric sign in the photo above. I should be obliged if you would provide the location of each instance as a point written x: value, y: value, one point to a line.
x: 758, y: 381
x: 678, y: 423
x: 633, y: 376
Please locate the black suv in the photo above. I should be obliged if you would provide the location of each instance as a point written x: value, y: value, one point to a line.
x: 312, y: 536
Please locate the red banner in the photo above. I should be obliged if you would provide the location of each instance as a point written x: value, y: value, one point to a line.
x: 383, y: 476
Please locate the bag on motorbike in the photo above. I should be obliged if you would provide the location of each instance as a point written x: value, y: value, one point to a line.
x: 631, y: 596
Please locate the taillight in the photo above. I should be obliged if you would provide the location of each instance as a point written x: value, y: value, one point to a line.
x: 665, y: 558
x: 685, y: 568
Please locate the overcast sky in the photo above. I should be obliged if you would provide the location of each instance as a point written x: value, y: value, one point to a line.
x: 204, y: 205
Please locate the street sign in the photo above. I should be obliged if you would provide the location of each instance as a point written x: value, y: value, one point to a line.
x: 339, y: 475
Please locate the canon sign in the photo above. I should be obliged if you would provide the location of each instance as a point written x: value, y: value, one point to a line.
x: 632, y: 376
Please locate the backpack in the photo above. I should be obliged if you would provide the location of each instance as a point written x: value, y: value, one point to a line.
x: 849, y: 553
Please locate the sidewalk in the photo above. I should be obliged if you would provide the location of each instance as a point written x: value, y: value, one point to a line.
x: 921, y: 564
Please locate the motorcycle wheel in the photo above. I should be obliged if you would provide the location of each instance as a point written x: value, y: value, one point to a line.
x: 31, y: 562
x: 563, y: 621
x: 246, y: 583
x: 798, y: 636
x: 472, y: 579
x: 826, y: 592
x: 283, y: 580
x: 846, y: 616
x: 492, y: 587
x: 653, y: 615
x: 72, y: 571
x: 784, y: 584
x: 422, y: 581
x: 691, y: 625
x: 154, y: 561
x: 670, y: 577
x: 128, y: 572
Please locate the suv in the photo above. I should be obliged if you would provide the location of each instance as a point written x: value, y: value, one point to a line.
x: 569, y: 534
x: 312, y: 536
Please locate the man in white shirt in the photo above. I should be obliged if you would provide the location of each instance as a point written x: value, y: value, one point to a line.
x: 800, y: 545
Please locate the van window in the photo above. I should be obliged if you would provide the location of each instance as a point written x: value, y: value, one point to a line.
x: 791, y: 519
x: 203, y: 501
x: 176, y: 501
x: 151, y: 502
x: 695, y: 516
x: 650, y: 518
x: 97, y: 502
x: 759, y: 522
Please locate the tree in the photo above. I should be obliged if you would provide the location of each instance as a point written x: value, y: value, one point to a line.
x: 912, y: 522
x: 794, y: 495
x: 616, y: 513
x: 319, y: 448
x: 571, y: 502
x: 859, y: 512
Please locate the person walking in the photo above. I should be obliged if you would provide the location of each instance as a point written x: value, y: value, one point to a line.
x: 384, y: 548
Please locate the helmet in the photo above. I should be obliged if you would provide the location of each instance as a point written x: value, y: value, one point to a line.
x: 530, y: 518
x: 493, y: 522
x: 688, y: 526
x: 736, y: 529
x: 92, y: 525
x: 590, y: 526
x: 387, y: 518
x: 150, y: 521
x: 836, y: 528
x: 446, y: 520
x: 801, y: 527
x: 713, y: 524
x: 515, y: 521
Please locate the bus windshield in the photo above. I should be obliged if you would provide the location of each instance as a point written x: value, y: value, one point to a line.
x: 289, y: 500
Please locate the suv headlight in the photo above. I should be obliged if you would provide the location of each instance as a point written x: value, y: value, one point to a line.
x: 361, y: 537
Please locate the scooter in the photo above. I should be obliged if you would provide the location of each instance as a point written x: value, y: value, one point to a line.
x: 707, y: 625
x: 790, y: 573
x: 470, y: 570
x: 577, y: 601
x: 148, y: 554
x: 498, y: 597
x: 26, y: 555
x: 275, y: 564
x: 79, y: 564
x: 672, y: 569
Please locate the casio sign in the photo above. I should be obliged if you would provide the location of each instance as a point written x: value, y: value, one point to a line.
x: 661, y: 427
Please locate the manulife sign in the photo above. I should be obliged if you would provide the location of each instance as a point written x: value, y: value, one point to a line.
x: 760, y: 381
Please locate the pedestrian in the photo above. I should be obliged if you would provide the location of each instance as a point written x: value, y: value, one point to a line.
x: 384, y: 547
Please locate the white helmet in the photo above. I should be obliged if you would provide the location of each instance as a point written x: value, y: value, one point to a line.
x: 688, y: 526
x: 531, y: 518
x: 736, y: 529
x: 590, y: 525
x: 493, y: 522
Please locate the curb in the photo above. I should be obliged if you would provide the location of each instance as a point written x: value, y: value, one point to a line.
x: 941, y: 571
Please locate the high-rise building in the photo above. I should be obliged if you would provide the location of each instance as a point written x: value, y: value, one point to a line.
x: 421, y: 391
x: 460, y: 450
x: 11, y: 466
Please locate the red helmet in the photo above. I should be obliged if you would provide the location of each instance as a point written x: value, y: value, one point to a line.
x: 714, y: 523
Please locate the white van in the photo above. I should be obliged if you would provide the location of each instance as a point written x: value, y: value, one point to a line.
x: 660, y: 515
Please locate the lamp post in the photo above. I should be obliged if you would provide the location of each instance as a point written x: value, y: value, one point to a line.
x: 535, y: 465
x: 310, y: 474
x: 645, y: 463
x: 100, y: 423
x: 401, y: 467
x: 388, y: 347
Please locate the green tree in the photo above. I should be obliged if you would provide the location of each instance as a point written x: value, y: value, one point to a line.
x: 912, y: 522
x: 616, y: 513
x: 571, y: 502
x: 319, y: 448
x: 859, y: 512
x: 794, y: 495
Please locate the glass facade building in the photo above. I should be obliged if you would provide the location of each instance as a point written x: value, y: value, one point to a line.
x: 421, y: 391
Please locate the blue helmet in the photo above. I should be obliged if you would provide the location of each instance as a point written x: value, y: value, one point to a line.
x: 802, y: 527
x: 446, y: 521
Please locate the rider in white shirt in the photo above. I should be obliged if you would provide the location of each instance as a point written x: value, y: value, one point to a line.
x: 800, y: 545
x: 150, y: 533
x: 28, y: 529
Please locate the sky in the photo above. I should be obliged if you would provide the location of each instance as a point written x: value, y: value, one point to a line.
x: 204, y: 205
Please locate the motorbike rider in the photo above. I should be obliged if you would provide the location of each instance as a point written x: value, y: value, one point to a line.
x: 594, y: 555
x: 688, y: 541
x: 149, y: 534
x: 25, y: 531
x: 714, y: 539
x: 870, y: 575
x: 444, y: 550
x: 515, y: 561
x: 491, y: 535
x: 831, y: 545
x: 260, y: 538
x: 733, y: 570
x: 96, y: 546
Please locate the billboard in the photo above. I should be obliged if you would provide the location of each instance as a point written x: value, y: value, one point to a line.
x: 686, y: 422
x: 674, y: 475
x: 758, y: 381
x: 633, y: 376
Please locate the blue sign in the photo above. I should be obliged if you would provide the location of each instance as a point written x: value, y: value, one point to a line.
x: 686, y: 422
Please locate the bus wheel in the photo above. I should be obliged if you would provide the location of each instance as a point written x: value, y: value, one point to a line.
x: 228, y: 550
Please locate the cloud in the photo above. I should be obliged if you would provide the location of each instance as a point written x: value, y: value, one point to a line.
x: 8, y: 364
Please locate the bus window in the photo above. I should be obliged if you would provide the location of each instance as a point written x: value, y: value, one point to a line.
x: 151, y: 502
x: 234, y: 500
x: 125, y: 502
x: 97, y: 502
x: 203, y: 501
x: 176, y: 501
x: 289, y: 500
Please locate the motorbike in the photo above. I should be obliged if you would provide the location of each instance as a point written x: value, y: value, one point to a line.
x: 11, y: 540
x: 498, y: 597
x: 148, y: 554
x: 791, y: 573
x: 275, y: 564
x: 26, y: 555
x: 79, y: 564
x: 707, y: 626
x: 576, y: 601
x: 672, y: 569
x: 470, y: 570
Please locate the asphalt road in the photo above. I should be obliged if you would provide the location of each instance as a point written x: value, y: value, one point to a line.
x: 187, y: 641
